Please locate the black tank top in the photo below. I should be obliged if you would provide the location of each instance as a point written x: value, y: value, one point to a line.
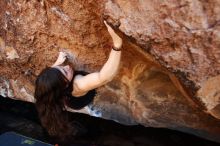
x: 78, y: 102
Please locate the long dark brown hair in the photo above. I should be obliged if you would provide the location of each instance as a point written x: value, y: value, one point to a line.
x: 50, y: 87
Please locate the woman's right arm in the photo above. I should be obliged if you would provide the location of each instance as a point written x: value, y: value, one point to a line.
x: 82, y: 84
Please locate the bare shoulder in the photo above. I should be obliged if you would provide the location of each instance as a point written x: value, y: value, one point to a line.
x: 77, y: 77
x: 83, y: 84
x: 76, y: 87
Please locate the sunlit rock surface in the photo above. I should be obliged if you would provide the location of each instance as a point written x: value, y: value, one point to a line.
x: 183, y: 36
x: 168, y: 76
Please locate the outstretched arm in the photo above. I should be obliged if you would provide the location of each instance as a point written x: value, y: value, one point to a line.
x: 61, y: 58
x: 82, y: 84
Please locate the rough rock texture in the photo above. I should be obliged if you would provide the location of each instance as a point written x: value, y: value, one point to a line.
x: 183, y: 36
x: 170, y: 63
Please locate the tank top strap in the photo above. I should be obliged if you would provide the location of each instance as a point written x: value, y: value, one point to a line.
x: 77, y: 72
x: 82, y: 101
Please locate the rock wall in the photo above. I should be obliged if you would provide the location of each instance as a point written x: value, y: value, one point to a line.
x: 183, y: 36
x: 168, y: 76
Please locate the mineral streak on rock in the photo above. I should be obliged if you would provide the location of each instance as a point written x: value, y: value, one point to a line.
x: 168, y: 75
x: 5, y: 89
x: 183, y: 37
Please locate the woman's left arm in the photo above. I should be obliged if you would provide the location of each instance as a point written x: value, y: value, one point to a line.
x: 61, y: 58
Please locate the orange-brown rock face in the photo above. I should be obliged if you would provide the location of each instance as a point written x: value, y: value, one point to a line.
x: 183, y: 36
x: 168, y: 76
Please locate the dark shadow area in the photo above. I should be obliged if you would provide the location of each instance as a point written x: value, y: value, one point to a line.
x: 22, y: 118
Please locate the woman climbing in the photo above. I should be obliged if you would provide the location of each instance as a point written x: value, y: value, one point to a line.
x: 59, y: 86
